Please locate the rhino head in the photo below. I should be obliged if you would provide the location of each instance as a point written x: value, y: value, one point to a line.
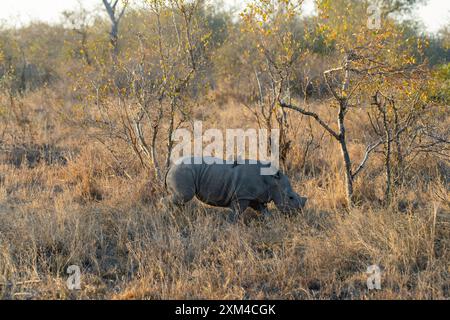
x: 282, y: 194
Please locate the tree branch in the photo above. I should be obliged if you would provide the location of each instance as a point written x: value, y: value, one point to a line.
x: 115, y: 5
x: 327, y: 81
x: 123, y: 11
x: 369, y: 150
x: 110, y: 10
x: 313, y: 115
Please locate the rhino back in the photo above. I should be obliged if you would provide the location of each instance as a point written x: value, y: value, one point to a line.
x: 250, y: 184
x: 219, y: 184
x: 216, y: 184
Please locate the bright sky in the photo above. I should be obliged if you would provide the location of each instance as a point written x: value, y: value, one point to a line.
x: 17, y: 12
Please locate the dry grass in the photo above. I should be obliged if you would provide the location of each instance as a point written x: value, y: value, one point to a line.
x: 86, y: 213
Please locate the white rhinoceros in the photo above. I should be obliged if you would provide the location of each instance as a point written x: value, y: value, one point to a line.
x: 236, y: 186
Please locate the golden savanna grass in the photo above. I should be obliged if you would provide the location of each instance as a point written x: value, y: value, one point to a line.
x: 87, y: 212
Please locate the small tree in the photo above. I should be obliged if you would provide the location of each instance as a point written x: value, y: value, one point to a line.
x: 271, y: 28
x: 406, y: 122
x: 159, y: 89
x: 369, y: 57
x: 79, y: 21
x: 115, y: 15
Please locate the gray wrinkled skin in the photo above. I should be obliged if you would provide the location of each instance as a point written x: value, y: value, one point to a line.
x: 236, y: 186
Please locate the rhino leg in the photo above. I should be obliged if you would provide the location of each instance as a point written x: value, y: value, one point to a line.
x: 261, y: 208
x: 177, y: 199
x: 237, y: 207
x: 172, y: 200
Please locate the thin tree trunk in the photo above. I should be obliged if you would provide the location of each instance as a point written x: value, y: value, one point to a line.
x: 397, y: 132
x: 115, y: 17
x: 154, y: 158
x: 153, y: 154
x: 169, y: 133
x: 114, y: 38
x: 387, y: 162
x: 345, y: 155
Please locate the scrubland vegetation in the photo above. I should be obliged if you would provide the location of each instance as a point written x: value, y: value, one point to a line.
x: 88, y: 106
